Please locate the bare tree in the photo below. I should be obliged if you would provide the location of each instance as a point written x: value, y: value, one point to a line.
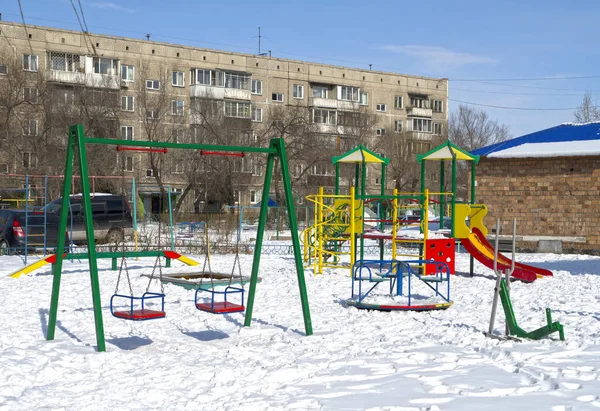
x: 587, y: 110
x: 470, y: 129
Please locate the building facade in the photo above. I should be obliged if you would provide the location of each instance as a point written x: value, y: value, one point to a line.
x: 144, y: 90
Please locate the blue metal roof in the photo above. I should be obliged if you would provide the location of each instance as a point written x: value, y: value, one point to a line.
x: 561, y: 133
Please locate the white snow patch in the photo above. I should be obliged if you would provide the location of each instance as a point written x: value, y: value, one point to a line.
x: 558, y: 149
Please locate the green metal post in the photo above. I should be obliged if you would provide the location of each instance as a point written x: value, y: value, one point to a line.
x: 422, y: 176
x: 382, y: 210
x: 114, y: 264
x: 473, y: 182
x: 171, y: 218
x: 356, y: 169
x: 363, y: 184
x: 62, y: 228
x: 453, y: 193
x: 262, y: 219
x: 134, y: 202
x: 337, y: 178
x: 289, y: 201
x: 442, y: 196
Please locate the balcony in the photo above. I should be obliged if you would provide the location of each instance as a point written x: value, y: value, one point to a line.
x: 102, y: 81
x: 237, y: 94
x: 419, y: 136
x: 67, y: 77
x: 322, y: 102
x: 334, y: 104
x: 219, y: 93
x: 419, y: 112
x: 326, y: 128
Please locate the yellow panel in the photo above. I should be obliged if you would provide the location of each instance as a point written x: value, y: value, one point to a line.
x: 461, y: 156
x: 344, y: 204
x: 478, y: 212
x: 461, y: 212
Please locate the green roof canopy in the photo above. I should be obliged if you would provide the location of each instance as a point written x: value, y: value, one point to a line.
x: 448, y: 151
x: 360, y: 154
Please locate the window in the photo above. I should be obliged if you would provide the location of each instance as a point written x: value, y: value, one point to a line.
x: 150, y: 172
x: 348, y: 93
x: 321, y: 170
x: 253, y: 196
x: 3, y: 168
x: 437, y: 106
x: 30, y: 127
x: 127, y: 73
x: 30, y: 62
x: 106, y: 66
x: 177, y: 108
x: 127, y: 133
x: 129, y: 164
x: 257, y: 115
x: 66, y: 97
x: 64, y: 62
x: 398, y: 102
x: 3, y: 69
x: 29, y: 160
x: 256, y: 87
x: 234, y: 80
x: 419, y: 101
x: 319, y: 91
x: 202, y: 77
x: 382, y: 108
x: 298, y: 91
x: 437, y: 129
x: 30, y: 94
x: 178, y: 168
x: 237, y: 109
x: 277, y: 97
x: 421, y: 124
x: 398, y: 126
x: 153, y: 84
x: 364, y: 98
x: 177, y: 135
x: 298, y: 170
x: 152, y: 114
x: 380, y: 131
x: 236, y: 196
x: 178, y: 79
x: 323, y: 116
x: 127, y: 103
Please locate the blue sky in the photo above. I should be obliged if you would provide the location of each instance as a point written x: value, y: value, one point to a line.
x: 462, y: 40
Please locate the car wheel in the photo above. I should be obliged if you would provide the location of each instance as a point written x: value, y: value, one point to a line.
x: 115, y: 236
x: 3, y: 247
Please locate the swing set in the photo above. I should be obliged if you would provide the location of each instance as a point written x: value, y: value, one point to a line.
x: 138, y: 305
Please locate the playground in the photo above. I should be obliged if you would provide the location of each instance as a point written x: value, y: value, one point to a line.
x: 362, y: 312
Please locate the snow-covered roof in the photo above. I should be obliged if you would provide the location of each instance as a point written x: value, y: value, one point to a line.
x: 568, y: 139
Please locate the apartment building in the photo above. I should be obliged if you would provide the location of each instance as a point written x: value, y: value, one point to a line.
x: 138, y: 89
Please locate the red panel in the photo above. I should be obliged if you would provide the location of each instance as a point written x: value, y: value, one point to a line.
x: 139, y: 314
x: 441, y: 250
x: 220, y: 307
x: 171, y: 254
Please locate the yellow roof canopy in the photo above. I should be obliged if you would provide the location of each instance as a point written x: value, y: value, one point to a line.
x: 360, y: 154
x: 448, y: 151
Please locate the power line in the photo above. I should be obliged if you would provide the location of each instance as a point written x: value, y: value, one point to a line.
x: 512, y: 108
x: 528, y: 79
x: 535, y: 87
x: 516, y: 93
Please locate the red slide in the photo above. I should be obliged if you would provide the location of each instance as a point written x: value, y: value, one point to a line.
x: 503, y: 259
x: 481, y: 254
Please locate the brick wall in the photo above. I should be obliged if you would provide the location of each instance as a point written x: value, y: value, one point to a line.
x: 548, y: 196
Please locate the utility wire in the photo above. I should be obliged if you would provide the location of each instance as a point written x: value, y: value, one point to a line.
x: 512, y: 108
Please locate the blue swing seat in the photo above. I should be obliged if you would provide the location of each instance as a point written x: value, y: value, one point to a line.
x: 139, y: 314
x: 220, y: 307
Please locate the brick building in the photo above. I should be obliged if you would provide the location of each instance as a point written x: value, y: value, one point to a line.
x: 550, y: 182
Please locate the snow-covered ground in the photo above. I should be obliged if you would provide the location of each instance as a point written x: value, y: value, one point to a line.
x: 355, y: 359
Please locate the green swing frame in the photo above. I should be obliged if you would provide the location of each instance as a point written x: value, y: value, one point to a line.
x: 77, y: 144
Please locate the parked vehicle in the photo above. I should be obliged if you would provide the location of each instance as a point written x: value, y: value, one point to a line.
x: 111, y: 217
x: 18, y: 228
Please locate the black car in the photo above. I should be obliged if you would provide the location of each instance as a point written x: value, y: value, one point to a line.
x: 18, y: 229
x: 111, y: 217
